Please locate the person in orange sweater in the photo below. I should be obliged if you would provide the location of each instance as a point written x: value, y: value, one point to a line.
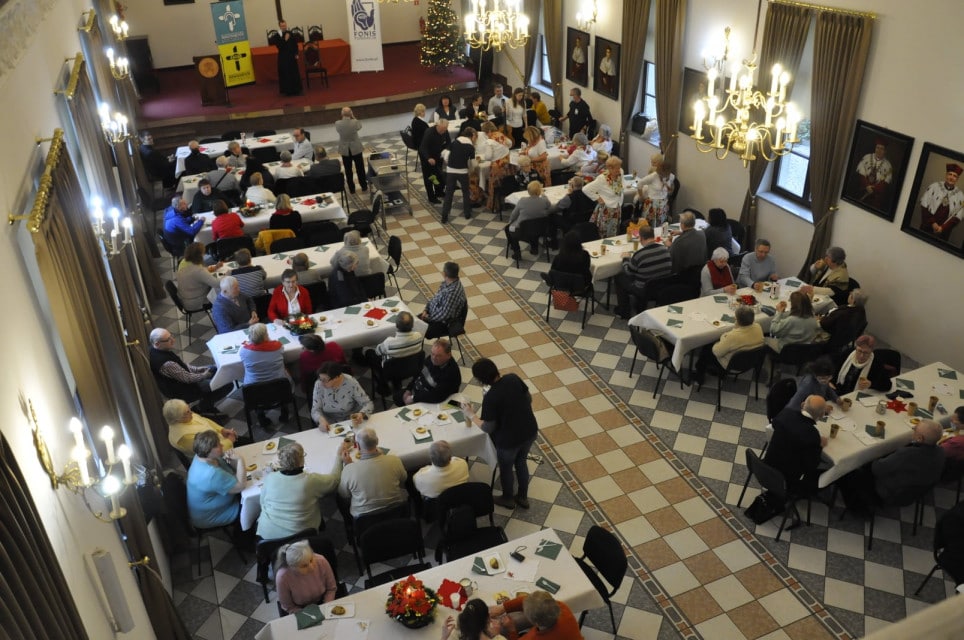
x: 551, y: 619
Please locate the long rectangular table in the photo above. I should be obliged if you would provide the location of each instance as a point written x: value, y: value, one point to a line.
x: 691, y: 324
x: 394, y: 429
x: 321, y: 206
x: 187, y: 185
x: 347, y: 326
x: 335, y: 57
x: 557, y: 192
x: 319, y: 258
x: 280, y: 141
x: 575, y: 590
x: 853, y: 447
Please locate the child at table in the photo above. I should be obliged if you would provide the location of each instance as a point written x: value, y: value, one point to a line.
x: 473, y: 623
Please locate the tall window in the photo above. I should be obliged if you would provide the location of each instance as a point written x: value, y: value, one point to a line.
x: 541, y: 75
x: 791, y: 173
x: 649, y: 89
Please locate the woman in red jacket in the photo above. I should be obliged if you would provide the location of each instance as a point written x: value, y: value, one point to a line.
x: 226, y: 223
x: 288, y: 298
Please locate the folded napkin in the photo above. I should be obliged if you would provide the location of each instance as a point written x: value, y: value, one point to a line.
x: 445, y: 591
x: 388, y: 303
x: 352, y: 311
x: 950, y: 374
x: 793, y: 283
x: 309, y: 201
x: 720, y: 298
x: 376, y: 314
x: 309, y: 616
x: 264, y: 140
x: 674, y: 323
x: 547, y: 585
x: 674, y: 309
x: 548, y: 549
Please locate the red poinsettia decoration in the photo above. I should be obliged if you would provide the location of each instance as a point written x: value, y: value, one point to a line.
x: 748, y: 299
x: 897, y: 405
x: 410, y: 600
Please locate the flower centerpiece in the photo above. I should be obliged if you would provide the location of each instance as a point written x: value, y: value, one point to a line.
x: 748, y: 300
x: 411, y: 603
x: 300, y: 324
x: 249, y: 209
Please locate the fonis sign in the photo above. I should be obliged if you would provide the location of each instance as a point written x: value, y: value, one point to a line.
x: 365, y: 35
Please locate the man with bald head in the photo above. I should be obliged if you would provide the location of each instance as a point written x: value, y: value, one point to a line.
x: 232, y: 309
x: 900, y: 477
x: 197, y: 161
x: 796, y: 444
x: 350, y: 148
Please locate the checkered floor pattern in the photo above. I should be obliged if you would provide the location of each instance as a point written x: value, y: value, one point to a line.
x: 664, y: 473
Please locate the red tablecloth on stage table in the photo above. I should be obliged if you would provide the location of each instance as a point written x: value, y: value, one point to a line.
x: 335, y: 56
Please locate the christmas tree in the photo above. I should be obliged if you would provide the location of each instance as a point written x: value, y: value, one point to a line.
x: 442, y: 43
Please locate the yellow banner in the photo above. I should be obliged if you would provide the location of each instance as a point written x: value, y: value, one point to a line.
x: 238, y: 66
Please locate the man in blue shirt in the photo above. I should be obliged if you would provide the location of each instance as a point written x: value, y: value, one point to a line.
x: 180, y: 227
x: 757, y: 267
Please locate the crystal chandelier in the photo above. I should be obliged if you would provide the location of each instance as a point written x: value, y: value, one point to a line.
x: 738, y: 117
x: 503, y: 25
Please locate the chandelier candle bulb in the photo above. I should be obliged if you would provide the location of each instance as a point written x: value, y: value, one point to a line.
x: 769, y: 118
x: 128, y: 225
x: 124, y: 453
x: 777, y: 70
x: 107, y: 434
x: 77, y: 429
x: 711, y: 75
x: 80, y: 457
x: 781, y: 127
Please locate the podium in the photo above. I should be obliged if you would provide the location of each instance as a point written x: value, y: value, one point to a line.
x: 209, y: 72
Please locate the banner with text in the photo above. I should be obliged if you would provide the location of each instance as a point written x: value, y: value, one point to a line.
x: 365, y: 35
x: 231, y: 34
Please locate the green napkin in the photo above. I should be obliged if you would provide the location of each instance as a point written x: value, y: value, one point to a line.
x: 283, y: 441
x: 384, y: 450
x: 548, y: 549
x: 321, y: 248
x: 388, y: 304
x: 284, y: 340
x: 871, y: 430
x: 391, y: 318
x: 428, y: 438
x: 547, y: 585
x: 329, y: 333
x: 950, y: 374
x: 793, y: 283
x: 478, y: 566
x: 458, y: 416
x: 728, y: 318
x: 309, y: 616
x: 352, y: 311
x: 404, y: 414
x: 675, y: 323
x: 924, y: 413
x: 903, y: 383
x: 609, y: 243
x: 280, y: 256
x: 722, y: 299
x: 675, y: 309
x: 861, y: 395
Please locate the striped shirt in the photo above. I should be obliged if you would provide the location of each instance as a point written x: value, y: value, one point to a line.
x: 400, y: 345
x: 251, y: 280
x: 650, y: 262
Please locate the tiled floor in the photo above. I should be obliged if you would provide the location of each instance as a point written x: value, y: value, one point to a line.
x: 663, y: 473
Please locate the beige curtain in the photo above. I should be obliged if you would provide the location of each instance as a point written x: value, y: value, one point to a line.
x: 784, y: 38
x: 84, y: 314
x: 670, y: 23
x: 531, y: 9
x: 35, y: 601
x: 553, y: 28
x: 841, y: 47
x: 635, y: 27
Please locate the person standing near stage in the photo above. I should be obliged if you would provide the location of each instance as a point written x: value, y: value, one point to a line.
x: 350, y: 148
x: 289, y: 75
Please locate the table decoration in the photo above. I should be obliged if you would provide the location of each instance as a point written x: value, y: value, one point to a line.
x: 249, y: 209
x: 300, y: 324
x: 897, y: 405
x: 411, y: 603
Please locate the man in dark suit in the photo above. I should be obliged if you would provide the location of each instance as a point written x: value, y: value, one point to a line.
x: 435, y: 140
x: 157, y: 165
x: 198, y: 162
x: 796, y: 444
x: 325, y: 166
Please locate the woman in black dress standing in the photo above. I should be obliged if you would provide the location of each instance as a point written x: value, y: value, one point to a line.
x: 289, y: 75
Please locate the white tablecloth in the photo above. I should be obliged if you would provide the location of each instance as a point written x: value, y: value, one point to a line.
x: 557, y: 192
x: 689, y: 325
x: 349, y: 330
x: 187, y: 185
x: 852, y: 448
x: 555, y: 158
x: 324, y: 207
x: 319, y: 258
x: 279, y: 141
x: 576, y: 591
x: 394, y: 434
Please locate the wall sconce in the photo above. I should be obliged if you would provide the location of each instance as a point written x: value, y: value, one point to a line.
x: 119, y: 67
x: 112, y: 241
x: 76, y: 475
x: 115, y: 129
x: 119, y: 27
x: 587, y: 15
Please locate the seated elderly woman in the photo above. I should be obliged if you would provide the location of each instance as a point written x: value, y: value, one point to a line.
x: 518, y: 181
x: 184, y: 425
x: 257, y: 193
x: 795, y: 325
x: 286, y: 169
x: 746, y: 335
x: 572, y: 258
x: 575, y: 207
x: 337, y: 397
x: 860, y: 370
x: 817, y: 382
x: 226, y: 223
x: 214, y: 483
x: 263, y: 361
x: 303, y: 577
x: 344, y: 288
x: 196, y: 284
x: 551, y: 618
x: 366, y: 264
x: 288, y: 298
x: 603, y: 140
x: 284, y: 216
x: 851, y: 317
x: 829, y: 276
x: 534, y: 206
x: 581, y: 156
x: 716, y: 276
x: 289, y: 498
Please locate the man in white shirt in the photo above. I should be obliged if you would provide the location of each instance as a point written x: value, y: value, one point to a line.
x: 444, y: 472
x: 303, y: 148
x: 498, y: 100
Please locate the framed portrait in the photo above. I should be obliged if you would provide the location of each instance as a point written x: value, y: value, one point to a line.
x: 577, y: 56
x: 935, y: 209
x: 694, y: 88
x: 876, y: 169
x: 606, y: 68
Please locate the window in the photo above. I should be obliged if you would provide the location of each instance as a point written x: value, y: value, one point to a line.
x: 791, y: 173
x: 541, y: 76
x: 649, y: 89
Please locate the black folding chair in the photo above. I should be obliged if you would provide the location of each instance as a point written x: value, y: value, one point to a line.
x: 389, y: 539
x: 268, y: 395
x: 575, y: 285
x: 459, y: 508
x: 655, y: 348
x: 740, y: 363
x: 607, y: 555
x: 773, y: 482
x: 171, y: 289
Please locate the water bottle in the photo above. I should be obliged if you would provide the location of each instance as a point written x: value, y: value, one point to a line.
x: 461, y: 103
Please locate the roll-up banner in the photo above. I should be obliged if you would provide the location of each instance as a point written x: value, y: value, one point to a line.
x: 231, y: 33
x: 365, y: 35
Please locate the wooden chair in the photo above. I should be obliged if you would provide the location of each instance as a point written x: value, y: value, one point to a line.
x: 315, y: 33
x: 314, y: 65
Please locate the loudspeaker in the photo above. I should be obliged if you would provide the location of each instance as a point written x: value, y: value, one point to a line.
x: 639, y: 123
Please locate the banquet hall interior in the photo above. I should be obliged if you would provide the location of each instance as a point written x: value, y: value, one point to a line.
x: 663, y: 473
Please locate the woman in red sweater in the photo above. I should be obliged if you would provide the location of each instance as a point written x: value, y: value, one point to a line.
x: 226, y: 224
x: 288, y: 298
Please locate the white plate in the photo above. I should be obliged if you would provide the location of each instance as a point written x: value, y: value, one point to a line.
x: 344, y: 426
x: 270, y: 447
x: 426, y: 434
x: 349, y: 610
x: 488, y: 566
x: 443, y: 418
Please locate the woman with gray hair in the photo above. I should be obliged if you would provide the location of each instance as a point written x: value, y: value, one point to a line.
x: 263, y: 361
x: 303, y: 578
x: 286, y: 169
x: 367, y: 265
x: 344, y: 288
x: 604, y: 140
x: 214, y: 482
x: 829, y: 277
x: 850, y: 319
x: 582, y: 156
x: 551, y: 618
x: 290, y: 497
x: 716, y: 276
x: 184, y: 425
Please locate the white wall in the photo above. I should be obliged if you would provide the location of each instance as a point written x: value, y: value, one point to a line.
x: 906, y: 89
x: 30, y: 366
x: 179, y: 32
